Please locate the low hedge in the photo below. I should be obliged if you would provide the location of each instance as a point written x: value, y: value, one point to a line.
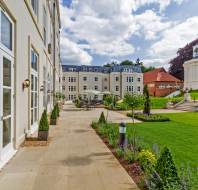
x: 149, y: 118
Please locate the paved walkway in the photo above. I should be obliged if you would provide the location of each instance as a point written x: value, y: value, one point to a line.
x: 76, y: 159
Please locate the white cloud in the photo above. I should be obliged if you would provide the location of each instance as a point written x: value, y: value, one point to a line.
x: 72, y: 54
x: 162, y: 51
x: 150, y: 24
x: 105, y: 28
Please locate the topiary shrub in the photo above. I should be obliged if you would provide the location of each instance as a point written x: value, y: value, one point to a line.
x: 147, y: 160
x: 53, y: 117
x: 43, y: 127
x: 166, y: 169
x: 43, y: 124
x: 57, y: 110
x: 102, y: 118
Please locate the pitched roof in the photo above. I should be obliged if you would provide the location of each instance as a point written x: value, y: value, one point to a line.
x: 159, y: 75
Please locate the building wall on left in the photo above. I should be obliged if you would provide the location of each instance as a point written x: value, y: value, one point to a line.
x: 36, y: 42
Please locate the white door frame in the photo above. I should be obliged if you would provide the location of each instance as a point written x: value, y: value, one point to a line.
x: 7, y: 151
x: 4, y: 150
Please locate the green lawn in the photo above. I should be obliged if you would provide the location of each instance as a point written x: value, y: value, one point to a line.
x: 180, y: 135
x: 194, y: 94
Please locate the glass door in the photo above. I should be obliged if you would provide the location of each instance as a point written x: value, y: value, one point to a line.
x: 6, y: 102
x: 34, y: 90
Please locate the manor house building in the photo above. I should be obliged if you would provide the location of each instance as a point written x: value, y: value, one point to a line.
x: 117, y: 80
x: 191, y: 71
x: 30, y: 70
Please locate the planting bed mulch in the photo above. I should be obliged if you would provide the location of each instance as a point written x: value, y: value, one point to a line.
x: 34, y: 142
x: 134, y: 170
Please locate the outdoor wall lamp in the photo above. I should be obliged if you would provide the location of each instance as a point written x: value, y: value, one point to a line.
x: 42, y: 88
x: 26, y: 84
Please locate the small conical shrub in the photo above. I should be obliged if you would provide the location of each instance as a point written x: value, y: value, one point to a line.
x: 166, y: 169
x: 43, y: 124
x: 102, y: 118
x: 57, y: 110
x: 54, y: 113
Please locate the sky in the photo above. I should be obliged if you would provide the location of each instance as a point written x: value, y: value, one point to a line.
x: 96, y: 32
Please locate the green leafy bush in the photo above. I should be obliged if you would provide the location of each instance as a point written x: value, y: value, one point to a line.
x: 119, y: 152
x: 113, y: 135
x: 129, y: 156
x: 43, y: 124
x: 166, y: 169
x: 149, y: 118
x: 147, y: 160
x: 102, y: 118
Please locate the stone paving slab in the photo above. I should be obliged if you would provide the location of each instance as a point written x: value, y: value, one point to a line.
x: 76, y: 159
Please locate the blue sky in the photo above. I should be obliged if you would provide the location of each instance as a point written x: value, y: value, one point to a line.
x: 96, y: 32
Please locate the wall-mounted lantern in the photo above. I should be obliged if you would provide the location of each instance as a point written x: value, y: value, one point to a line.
x: 42, y: 88
x: 26, y: 84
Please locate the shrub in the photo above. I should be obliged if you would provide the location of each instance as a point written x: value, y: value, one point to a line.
x: 129, y: 156
x: 119, y: 152
x: 43, y: 124
x: 166, y: 169
x: 103, y: 130
x: 94, y: 125
x: 102, y: 118
x: 147, y: 160
x: 113, y: 135
x: 57, y: 110
x: 54, y: 113
x: 149, y: 118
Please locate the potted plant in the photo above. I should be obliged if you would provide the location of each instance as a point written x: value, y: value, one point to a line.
x: 53, y: 118
x: 43, y: 132
x: 57, y: 110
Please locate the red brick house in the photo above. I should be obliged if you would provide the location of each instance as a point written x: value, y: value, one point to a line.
x: 161, y: 83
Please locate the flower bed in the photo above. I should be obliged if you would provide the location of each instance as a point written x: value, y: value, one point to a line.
x: 149, y: 118
x: 148, y: 169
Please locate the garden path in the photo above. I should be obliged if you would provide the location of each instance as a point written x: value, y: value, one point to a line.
x: 76, y: 159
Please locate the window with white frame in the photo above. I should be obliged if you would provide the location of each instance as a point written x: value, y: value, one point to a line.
x: 96, y: 87
x: 85, y: 78
x: 96, y: 79
x: 34, y: 4
x: 117, y: 88
x: 6, y: 31
x: 138, y: 89
x: 84, y: 87
x: 117, y: 78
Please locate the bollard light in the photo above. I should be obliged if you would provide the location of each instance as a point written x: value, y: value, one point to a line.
x: 122, y: 131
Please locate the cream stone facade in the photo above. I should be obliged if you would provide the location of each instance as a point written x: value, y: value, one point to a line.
x: 30, y: 71
x: 117, y: 80
x: 191, y: 71
x: 191, y: 74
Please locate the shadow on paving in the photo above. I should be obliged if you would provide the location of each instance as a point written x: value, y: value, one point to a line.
x: 83, y: 160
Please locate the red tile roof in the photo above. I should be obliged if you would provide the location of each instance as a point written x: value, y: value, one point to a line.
x: 159, y: 75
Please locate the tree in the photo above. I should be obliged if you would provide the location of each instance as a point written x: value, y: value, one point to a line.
x: 166, y: 169
x: 133, y: 101
x: 146, y: 69
x: 110, y: 101
x: 147, y: 101
x: 183, y: 54
x: 127, y: 62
